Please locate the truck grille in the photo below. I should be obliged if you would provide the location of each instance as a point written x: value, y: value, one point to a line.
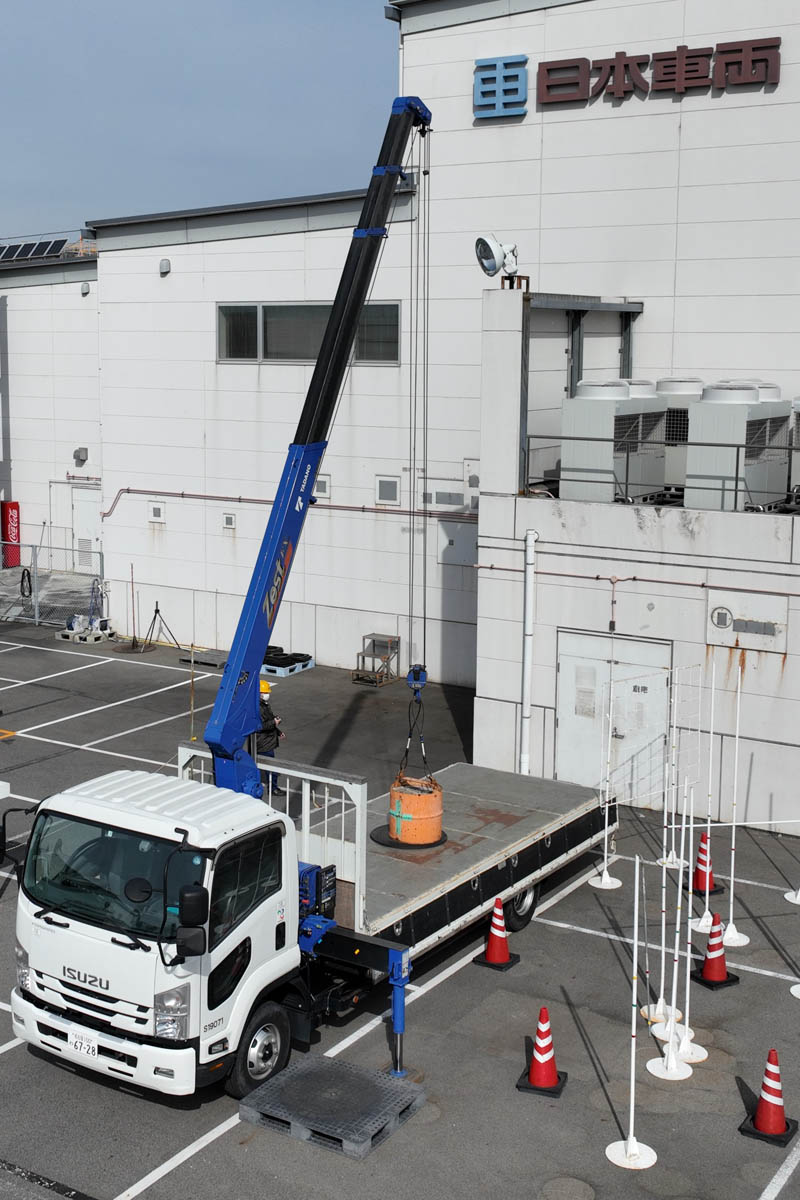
x: 97, y: 1009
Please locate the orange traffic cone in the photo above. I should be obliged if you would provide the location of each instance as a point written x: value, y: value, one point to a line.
x: 497, y: 955
x: 769, y: 1121
x: 542, y: 1075
x: 703, y: 869
x: 714, y: 973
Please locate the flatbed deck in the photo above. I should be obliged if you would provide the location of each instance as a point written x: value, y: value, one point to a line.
x: 502, y: 830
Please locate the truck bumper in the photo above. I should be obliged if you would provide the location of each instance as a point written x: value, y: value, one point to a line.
x: 118, y: 1057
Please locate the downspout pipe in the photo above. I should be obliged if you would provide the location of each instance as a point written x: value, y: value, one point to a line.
x: 528, y: 617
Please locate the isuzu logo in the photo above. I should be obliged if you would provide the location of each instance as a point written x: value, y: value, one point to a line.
x: 83, y: 977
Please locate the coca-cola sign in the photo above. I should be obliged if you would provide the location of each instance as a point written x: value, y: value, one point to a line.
x: 9, y: 520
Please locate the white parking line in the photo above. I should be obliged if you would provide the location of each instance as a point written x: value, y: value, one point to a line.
x: 617, y: 937
x: 126, y: 658
x: 11, y: 1045
x: 781, y: 1176
x: 56, y: 674
x: 773, y: 887
x: 138, y: 728
x: 5, y: 1007
x: 137, y: 1188
x: 151, y: 762
x: 176, y: 1160
x: 114, y: 704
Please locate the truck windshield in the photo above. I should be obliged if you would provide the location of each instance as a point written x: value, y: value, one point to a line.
x: 109, y: 876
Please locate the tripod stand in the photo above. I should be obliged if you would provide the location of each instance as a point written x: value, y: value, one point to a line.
x: 148, y: 643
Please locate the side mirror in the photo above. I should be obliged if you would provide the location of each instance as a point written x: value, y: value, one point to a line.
x: 190, y: 942
x: 193, y: 906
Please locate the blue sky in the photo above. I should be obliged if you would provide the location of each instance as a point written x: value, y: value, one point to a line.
x: 114, y: 108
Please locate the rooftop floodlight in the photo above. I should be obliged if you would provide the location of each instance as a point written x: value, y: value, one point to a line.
x: 495, y: 256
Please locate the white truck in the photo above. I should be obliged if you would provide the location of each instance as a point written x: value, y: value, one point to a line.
x: 168, y: 933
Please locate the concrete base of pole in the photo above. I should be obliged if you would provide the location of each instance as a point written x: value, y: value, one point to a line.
x: 664, y: 1030
x: 605, y: 882
x: 670, y: 1066
x: 632, y: 1155
x: 732, y: 937
x: 702, y: 924
x: 671, y: 861
x: 690, y: 1052
x: 792, y: 897
x: 795, y: 991
x: 660, y: 1012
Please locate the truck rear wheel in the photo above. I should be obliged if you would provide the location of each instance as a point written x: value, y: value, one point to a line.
x: 519, y: 910
x: 263, y: 1050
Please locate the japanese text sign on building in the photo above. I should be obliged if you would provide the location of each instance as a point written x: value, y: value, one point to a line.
x: 501, y: 84
x: 728, y: 65
x: 501, y: 87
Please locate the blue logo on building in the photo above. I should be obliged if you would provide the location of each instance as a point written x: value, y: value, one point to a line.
x: 501, y: 87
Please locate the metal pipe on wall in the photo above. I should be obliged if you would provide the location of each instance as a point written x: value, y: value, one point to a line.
x: 528, y: 620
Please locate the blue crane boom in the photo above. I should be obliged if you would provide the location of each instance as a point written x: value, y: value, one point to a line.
x: 235, y: 716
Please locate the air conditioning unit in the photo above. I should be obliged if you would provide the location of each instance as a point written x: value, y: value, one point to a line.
x: 738, y: 453
x: 611, y: 433
x: 678, y: 394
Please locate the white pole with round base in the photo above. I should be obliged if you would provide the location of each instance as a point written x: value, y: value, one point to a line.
x: 606, y: 882
x: 731, y: 936
x: 688, y: 1050
x: 630, y: 1154
x: 670, y: 1066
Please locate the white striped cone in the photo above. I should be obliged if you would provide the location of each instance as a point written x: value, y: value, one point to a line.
x: 542, y: 1072
x: 703, y: 874
x: 497, y: 947
x: 770, y: 1117
x: 715, y: 969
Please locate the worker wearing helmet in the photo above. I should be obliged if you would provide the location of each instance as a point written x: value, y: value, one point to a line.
x: 270, y: 734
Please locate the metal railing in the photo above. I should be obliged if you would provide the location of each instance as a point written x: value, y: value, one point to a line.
x: 627, y: 471
x: 329, y: 813
x: 47, y: 585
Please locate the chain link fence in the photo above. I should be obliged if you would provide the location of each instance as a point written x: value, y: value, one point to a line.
x: 47, y: 585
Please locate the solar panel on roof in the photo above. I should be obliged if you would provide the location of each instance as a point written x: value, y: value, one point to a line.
x: 41, y: 249
x: 57, y: 246
x: 25, y: 252
x: 10, y: 251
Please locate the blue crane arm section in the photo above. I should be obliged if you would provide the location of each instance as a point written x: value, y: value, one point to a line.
x: 235, y: 715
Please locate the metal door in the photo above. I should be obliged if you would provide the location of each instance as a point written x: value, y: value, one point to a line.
x: 600, y: 676
x: 85, y: 527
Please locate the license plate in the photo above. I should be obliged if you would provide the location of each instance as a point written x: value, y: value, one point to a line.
x: 82, y: 1043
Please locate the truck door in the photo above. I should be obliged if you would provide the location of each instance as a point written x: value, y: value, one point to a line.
x: 247, y: 925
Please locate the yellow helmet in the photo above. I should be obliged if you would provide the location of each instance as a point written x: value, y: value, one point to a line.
x: 264, y: 687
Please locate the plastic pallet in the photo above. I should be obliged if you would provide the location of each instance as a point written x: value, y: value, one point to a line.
x: 333, y: 1104
x: 294, y: 669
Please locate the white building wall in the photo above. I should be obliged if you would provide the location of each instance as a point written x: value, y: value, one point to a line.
x: 687, y: 204
x: 176, y: 420
x: 49, y: 402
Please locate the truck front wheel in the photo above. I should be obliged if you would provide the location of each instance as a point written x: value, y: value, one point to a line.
x: 520, y: 908
x: 263, y: 1050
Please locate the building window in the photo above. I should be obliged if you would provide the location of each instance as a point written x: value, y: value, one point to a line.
x: 294, y: 332
x: 387, y: 489
x: 238, y: 331
x: 322, y: 487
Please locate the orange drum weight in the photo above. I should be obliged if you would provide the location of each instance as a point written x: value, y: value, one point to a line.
x: 415, y: 811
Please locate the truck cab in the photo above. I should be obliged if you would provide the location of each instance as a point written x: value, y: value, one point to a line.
x: 114, y: 870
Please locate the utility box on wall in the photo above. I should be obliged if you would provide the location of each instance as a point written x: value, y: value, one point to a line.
x: 747, y: 621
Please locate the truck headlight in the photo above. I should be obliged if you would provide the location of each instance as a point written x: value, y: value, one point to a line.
x: 23, y: 968
x: 171, y: 1011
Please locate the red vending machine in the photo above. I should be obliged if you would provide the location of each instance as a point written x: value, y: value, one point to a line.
x: 9, y: 521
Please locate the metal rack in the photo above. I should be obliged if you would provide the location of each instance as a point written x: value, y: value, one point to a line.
x: 378, y: 659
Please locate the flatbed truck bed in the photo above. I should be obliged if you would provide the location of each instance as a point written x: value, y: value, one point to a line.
x: 504, y: 832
